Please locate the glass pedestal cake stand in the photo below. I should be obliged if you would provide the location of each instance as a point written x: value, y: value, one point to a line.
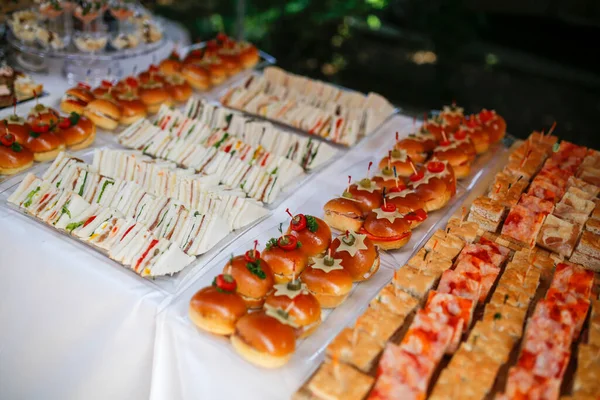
x: 78, y: 66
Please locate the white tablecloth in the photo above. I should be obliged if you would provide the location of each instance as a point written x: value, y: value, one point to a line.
x: 74, y: 325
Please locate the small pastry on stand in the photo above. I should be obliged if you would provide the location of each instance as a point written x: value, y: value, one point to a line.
x: 285, y: 257
x: 358, y: 255
x: 328, y: 281
x: 217, y: 308
x: 264, y: 340
x: 294, y: 305
x: 253, y: 276
x: 312, y: 232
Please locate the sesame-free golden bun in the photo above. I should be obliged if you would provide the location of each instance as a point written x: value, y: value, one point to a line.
x: 216, y: 311
x: 79, y: 99
x: 41, y: 115
x: 169, y: 66
x: 249, y: 55
x: 12, y: 162
x: 45, y: 146
x: 104, y: 113
x: 343, y: 214
x: 385, y: 234
x: 154, y: 96
x: 313, y: 243
x: 282, y: 262
x: 363, y: 264
x: 305, y: 312
x: 367, y: 200
x: 197, y: 76
x: 79, y: 136
x: 179, y: 89
x: 457, y: 158
x: 330, y: 288
x: 252, y: 288
x: 263, y: 340
x: 132, y: 109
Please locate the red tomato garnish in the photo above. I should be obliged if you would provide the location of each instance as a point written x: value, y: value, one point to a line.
x: 486, y: 115
x: 64, y: 123
x: 93, y: 217
x: 8, y: 139
x: 106, y: 84
x: 396, y: 189
x: 40, y: 128
x: 417, y: 215
x: 226, y: 283
x: 388, y: 207
x: 416, y: 177
x: 436, y: 166
x: 471, y: 122
x: 252, y: 255
x: 287, y: 242
x: 211, y: 45
x: 445, y: 143
x: 221, y: 37
x: 383, y: 239
x: 298, y: 223
x: 460, y: 134
x: 84, y: 86
x: 131, y: 82
x: 153, y: 68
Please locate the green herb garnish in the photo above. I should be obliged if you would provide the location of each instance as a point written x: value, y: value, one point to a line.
x: 311, y: 223
x: 271, y: 243
x: 74, y: 118
x: 497, y: 316
x: 16, y: 147
x: 255, y: 268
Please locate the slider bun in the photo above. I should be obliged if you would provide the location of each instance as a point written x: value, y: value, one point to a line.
x: 154, y: 97
x: 263, y: 340
x: 383, y: 229
x: 282, y: 262
x: 20, y: 132
x: 480, y: 139
x: 306, y: 311
x: 198, y: 77
x: 146, y: 76
x: 46, y: 146
x: 313, y: 243
x: 180, y: 92
x: 79, y: 136
x: 362, y: 265
x: 12, y: 162
x: 216, y: 311
x: 111, y: 113
x: 462, y: 171
x: 343, y: 214
x: 436, y: 193
x: 496, y: 129
x: 132, y: 108
x: 330, y: 288
x: 249, y: 56
x: 169, y: 67
x: 411, y: 201
x: 367, y: 201
x: 231, y: 61
x: 48, y: 117
x: 68, y: 106
x: 81, y: 93
x: 217, y: 72
x: 402, y: 168
x: 252, y: 288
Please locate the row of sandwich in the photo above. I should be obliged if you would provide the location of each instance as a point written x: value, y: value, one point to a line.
x: 474, y: 285
x: 129, y: 224
x: 241, y: 131
x: 315, y: 107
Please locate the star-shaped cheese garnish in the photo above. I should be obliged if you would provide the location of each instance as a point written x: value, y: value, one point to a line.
x: 319, y: 263
x: 403, y: 193
x: 389, y: 215
x: 402, y: 156
x: 359, y: 244
x: 281, y: 315
x: 283, y: 290
x: 372, y: 187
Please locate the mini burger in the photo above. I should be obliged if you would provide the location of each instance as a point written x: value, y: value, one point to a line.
x: 437, y: 126
x: 216, y: 70
x: 285, y: 257
x: 295, y: 306
x: 327, y: 279
x: 479, y: 137
x: 104, y: 88
x: 263, y: 340
x: 433, y: 186
x: 253, y: 276
x: 42, y: 115
x: 153, y: 94
x: 171, y: 65
x: 387, y: 228
x: 406, y: 200
x: 312, y: 232
x: 230, y: 58
x: 179, y: 89
x: 249, y: 55
x: 456, y: 157
x: 493, y: 124
x: 197, y: 76
x: 75, y: 99
x: 358, y: 255
x: 464, y: 143
x: 343, y: 214
x: 132, y: 108
x: 386, y: 179
x: 366, y: 193
x: 452, y: 116
x: 78, y: 132
x: 418, y: 146
x: 217, y: 308
x: 399, y: 160
x: 14, y: 158
x: 44, y: 142
x: 103, y: 113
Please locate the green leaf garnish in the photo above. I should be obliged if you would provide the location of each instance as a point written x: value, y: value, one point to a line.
x: 311, y: 223
x: 255, y: 268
